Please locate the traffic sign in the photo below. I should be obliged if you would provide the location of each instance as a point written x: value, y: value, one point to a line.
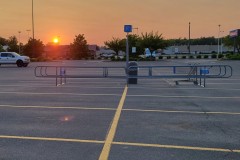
x: 127, y: 28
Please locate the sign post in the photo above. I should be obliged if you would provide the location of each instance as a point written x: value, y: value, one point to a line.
x: 127, y: 29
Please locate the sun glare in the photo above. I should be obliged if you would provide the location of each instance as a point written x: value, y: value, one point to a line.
x: 56, y: 40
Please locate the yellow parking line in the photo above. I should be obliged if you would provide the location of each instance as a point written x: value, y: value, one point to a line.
x: 50, y: 139
x: 189, y: 112
x: 200, y: 97
x: 119, y: 143
x: 113, y: 109
x: 109, y: 139
x: 71, y: 94
x: 51, y: 107
x: 176, y: 147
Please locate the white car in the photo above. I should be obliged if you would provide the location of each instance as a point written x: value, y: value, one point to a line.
x: 14, y: 58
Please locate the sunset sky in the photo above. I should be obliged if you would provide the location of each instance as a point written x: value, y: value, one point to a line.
x: 100, y: 20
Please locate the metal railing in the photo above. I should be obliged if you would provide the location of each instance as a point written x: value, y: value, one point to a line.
x: 189, y: 73
x: 61, y: 73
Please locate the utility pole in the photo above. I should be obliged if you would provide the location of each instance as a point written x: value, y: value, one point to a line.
x: 219, y: 26
x: 33, y: 37
x: 28, y: 30
x: 32, y: 21
x: 189, y: 38
x: 136, y: 29
x: 221, y: 41
x: 19, y: 47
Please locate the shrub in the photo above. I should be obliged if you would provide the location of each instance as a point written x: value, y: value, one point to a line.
x: 191, y: 57
x: 205, y: 56
x: 176, y: 57
x: 199, y: 56
x: 113, y: 58
x: 168, y: 57
x: 229, y: 55
x: 184, y: 57
x: 214, y: 56
x: 150, y: 58
x: 234, y: 56
x: 140, y: 59
x: 220, y: 56
x: 133, y: 59
x: 160, y: 57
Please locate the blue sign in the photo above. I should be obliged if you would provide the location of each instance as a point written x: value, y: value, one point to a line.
x: 127, y: 28
x: 204, y: 71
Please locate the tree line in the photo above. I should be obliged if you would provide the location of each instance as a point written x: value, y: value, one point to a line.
x: 155, y: 41
x: 34, y: 48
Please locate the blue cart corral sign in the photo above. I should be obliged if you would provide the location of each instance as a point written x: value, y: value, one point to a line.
x: 127, y: 28
x: 204, y: 71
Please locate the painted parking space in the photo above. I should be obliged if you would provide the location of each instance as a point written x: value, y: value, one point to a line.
x: 102, y: 119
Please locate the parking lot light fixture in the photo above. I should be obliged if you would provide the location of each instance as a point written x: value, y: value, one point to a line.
x: 19, y: 47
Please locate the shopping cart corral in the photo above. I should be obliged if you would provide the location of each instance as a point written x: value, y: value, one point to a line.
x: 196, y: 74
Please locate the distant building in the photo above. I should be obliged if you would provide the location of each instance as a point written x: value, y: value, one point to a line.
x: 93, y: 50
x: 57, y: 51
x: 196, y: 49
x: 63, y: 51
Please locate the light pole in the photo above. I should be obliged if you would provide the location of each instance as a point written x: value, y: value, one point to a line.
x: 219, y: 26
x: 33, y: 38
x: 136, y: 29
x: 221, y: 41
x: 32, y: 21
x: 19, y: 47
x: 189, y: 37
x: 28, y: 30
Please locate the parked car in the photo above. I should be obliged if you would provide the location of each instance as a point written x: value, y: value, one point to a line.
x: 14, y: 58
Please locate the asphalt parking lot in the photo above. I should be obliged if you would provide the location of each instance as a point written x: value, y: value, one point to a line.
x: 92, y: 119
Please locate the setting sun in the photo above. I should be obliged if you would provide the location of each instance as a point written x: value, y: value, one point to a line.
x: 56, y: 40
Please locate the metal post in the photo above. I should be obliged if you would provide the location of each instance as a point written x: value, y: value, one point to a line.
x: 61, y: 75
x: 234, y: 47
x: 32, y: 21
x: 221, y: 37
x: 33, y: 36
x: 218, y: 40
x: 200, y: 77
x: 19, y: 32
x: 28, y: 30
x: 127, y: 56
x: 204, y: 83
x: 189, y: 29
x: 150, y: 72
x: 56, y: 76
x: 127, y: 51
x: 65, y: 78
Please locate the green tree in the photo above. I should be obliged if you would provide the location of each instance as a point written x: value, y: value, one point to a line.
x: 196, y: 41
x: 153, y: 41
x: 3, y: 41
x: 13, y: 44
x: 116, y: 44
x: 1, y: 48
x: 34, y: 48
x: 228, y: 41
x: 79, y: 47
